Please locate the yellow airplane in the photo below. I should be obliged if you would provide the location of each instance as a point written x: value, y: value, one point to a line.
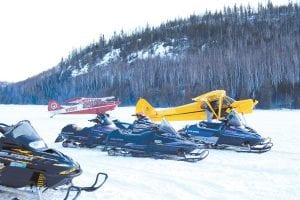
x: 215, y: 101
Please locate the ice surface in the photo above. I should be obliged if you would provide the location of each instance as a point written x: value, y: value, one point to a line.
x: 222, y: 175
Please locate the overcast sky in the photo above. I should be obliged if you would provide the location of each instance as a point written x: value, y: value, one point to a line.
x: 36, y: 34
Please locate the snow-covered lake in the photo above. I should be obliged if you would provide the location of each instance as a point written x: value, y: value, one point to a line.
x: 222, y: 175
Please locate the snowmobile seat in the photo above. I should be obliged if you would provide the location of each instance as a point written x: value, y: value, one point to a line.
x: 77, y: 128
x: 73, y: 128
x: 210, y: 125
x: 142, y: 127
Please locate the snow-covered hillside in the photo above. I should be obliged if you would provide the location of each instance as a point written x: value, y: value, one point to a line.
x: 222, y: 175
x: 157, y: 49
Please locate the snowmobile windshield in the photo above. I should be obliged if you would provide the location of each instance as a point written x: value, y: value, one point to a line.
x: 25, y: 135
x: 234, y: 119
x: 166, y: 127
x: 107, y: 121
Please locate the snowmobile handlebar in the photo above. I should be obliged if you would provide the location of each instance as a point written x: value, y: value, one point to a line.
x: 2, y: 124
x: 3, y: 128
x: 93, y: 120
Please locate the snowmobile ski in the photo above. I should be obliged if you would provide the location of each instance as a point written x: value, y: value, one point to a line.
x: 188, y: 157
x: 92, y: 188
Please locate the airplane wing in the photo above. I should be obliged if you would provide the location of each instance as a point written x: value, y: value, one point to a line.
x: 106, y: 98
x: 210, y: 96
x: 75, y: 100
x: 87, y: 99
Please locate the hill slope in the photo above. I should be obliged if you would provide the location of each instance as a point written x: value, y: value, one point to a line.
x: 248, y: 53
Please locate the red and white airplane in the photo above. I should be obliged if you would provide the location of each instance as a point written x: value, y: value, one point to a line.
x: 83, y: 105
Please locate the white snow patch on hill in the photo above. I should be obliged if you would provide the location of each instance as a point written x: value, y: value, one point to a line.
x: 110, y: 57
x: 82, y: 71
x: 157, y: 49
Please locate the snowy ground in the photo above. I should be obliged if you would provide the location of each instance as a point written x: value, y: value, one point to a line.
x: 222, y: 175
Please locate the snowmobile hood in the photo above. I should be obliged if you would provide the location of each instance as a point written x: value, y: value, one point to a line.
x: 57, y: 156
x: 24, y: 135
x: 49, y: 157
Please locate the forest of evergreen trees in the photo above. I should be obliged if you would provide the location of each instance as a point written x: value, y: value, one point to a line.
x: 250, y: 53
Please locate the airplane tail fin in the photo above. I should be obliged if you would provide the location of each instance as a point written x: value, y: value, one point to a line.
x: 54, y: 105
x: 143, y: 106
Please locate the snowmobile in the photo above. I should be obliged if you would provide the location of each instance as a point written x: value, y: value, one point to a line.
x: 158, y: 141
x: 73, y: 136
x: 230, y: 133
x: 27, y: 162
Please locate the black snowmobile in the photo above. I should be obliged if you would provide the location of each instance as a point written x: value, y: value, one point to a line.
x: 26, y: 161
x: 230, y: 133
x: 158, y: 141
x: 73, y: 136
